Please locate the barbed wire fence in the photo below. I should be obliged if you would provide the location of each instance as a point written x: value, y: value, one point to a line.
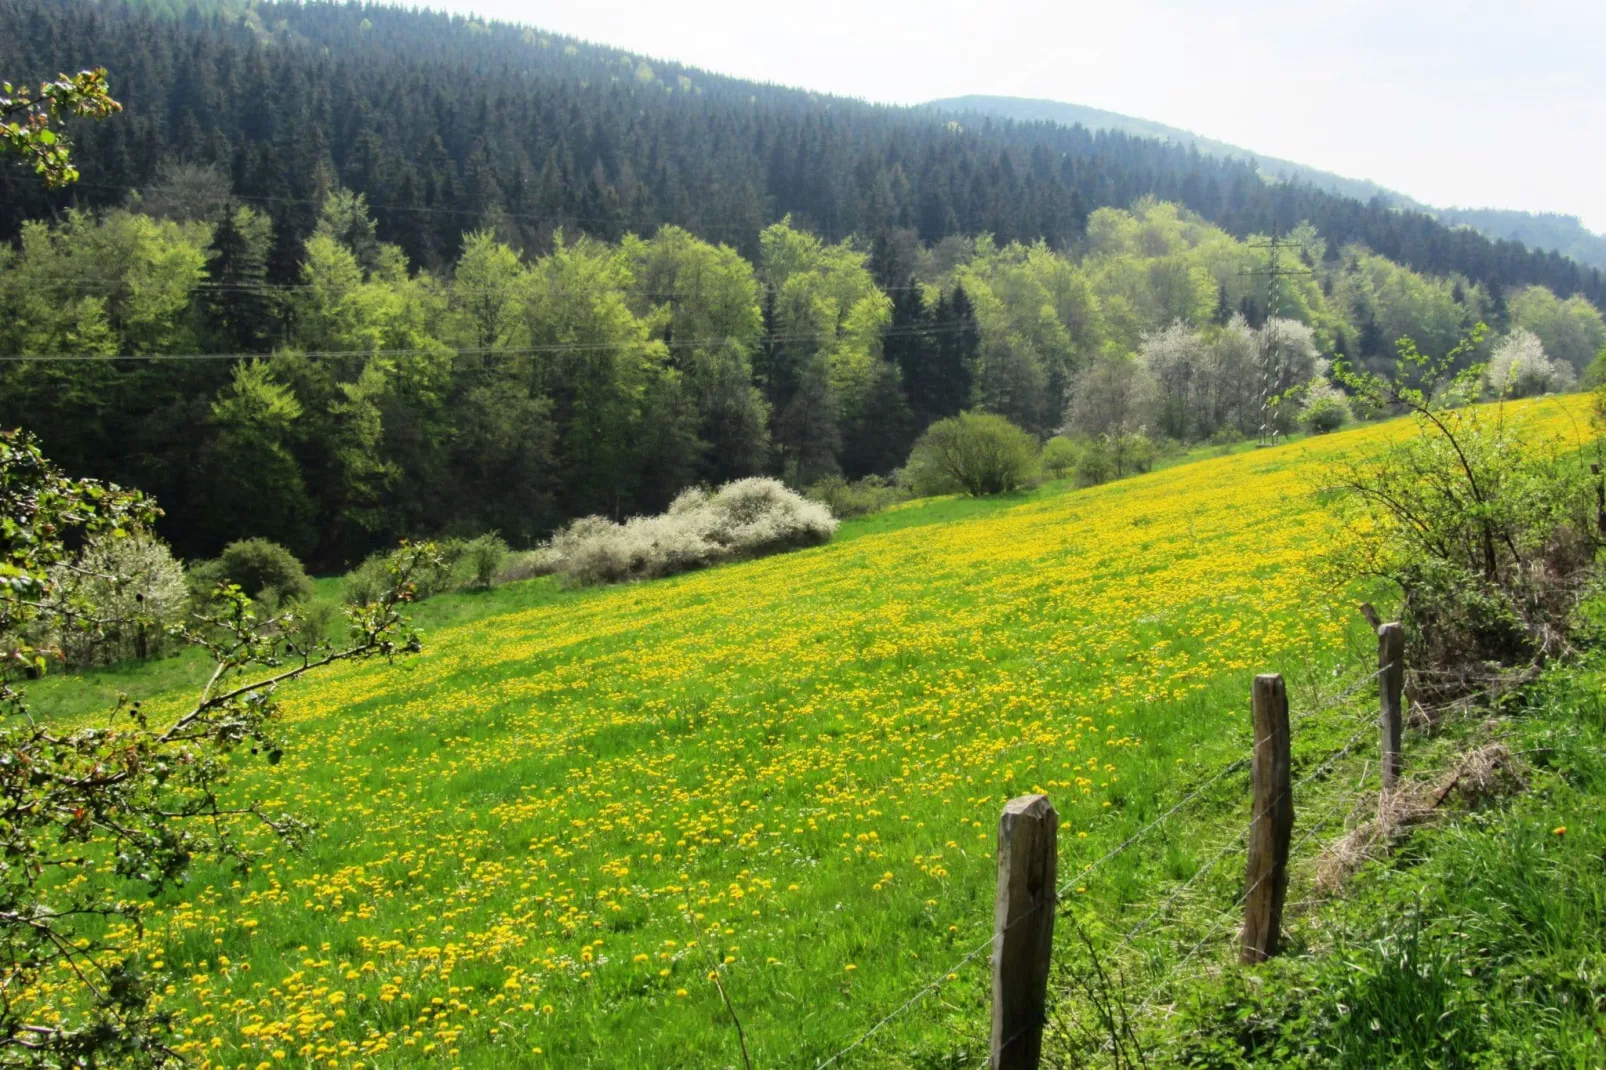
x: 1000, y: 1047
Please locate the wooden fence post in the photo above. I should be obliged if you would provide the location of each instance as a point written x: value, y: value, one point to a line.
x: 1600, y: 499
x: 1271, y: 824
x: 1391, y: 692
x: 1023, y: 930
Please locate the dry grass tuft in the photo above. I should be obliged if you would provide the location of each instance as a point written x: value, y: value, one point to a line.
x: 1482, y: 776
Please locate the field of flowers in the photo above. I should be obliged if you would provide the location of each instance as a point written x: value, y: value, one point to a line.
x: 539, y: 839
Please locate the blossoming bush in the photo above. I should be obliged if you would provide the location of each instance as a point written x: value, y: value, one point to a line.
x: 136, y: 592
x: 746, y: 518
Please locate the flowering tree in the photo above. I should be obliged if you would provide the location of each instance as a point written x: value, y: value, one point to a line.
x: 88, y: 813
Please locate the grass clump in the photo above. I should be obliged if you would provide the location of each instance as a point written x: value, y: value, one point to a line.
x: 1477, y: 944
x: 746, y: 518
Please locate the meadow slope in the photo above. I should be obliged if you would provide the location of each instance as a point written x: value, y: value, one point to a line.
x: 538, y: 838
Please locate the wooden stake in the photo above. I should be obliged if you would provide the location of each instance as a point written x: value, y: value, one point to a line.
x: 1023, y: 930
x: 1391, y: 694
x: 1272, y: 823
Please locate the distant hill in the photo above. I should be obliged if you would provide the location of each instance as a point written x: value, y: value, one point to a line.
x: 1549, y: 231
x: 1566, y: 234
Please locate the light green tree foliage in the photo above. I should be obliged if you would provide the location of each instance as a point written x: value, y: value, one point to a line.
x: 1038, y: 317
x: 372, y: 372
x: 43, y: 316
x: 600, y: 365
x: 828, y: 299
x: 1572, y: 331
x: 703, y: 302
x: 502, y: 451
x: 1144, y: 273
x: 487, y: 296
x: 254, y: 481
x: 1379, y: 296
x: 825, y: 364
x: 96, y: 284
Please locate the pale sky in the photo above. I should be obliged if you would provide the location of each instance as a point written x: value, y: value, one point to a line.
x: 1469, y: 103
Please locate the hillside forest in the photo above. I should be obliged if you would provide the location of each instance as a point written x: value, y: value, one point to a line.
x: 512, y: 392
x: 339, y: 274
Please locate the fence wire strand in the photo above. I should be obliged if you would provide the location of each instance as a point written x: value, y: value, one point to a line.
x: 942, y: 978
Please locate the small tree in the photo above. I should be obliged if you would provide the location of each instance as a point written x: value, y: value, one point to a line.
x: 483, y: 558
x: 1520, y: 367
x: 1060, y: 456
x: 84, y: 811
x: 1114, y: 402
x: 1324, y: 408
x: 975, y: 452
x: 132, y: 585
x: 1487, y: 534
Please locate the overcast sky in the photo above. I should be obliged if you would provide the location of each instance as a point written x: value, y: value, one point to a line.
x: 1454, y: 102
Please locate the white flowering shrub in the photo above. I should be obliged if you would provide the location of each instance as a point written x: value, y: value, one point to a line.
x: 746, y: 518
x: 1520, y: 367
x: 1325, y: 408
x: 133, y: 590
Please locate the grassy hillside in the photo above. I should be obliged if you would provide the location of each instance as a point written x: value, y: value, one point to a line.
x: 537, y: 839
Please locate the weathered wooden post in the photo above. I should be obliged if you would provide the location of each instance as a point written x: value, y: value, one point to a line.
x: 1391, y: 694
x: 1272, y: 823
x: 1023, y: 930
x: 1600, y: 499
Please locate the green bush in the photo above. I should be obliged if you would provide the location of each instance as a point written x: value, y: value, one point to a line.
x: 319, y: 622
x: 975, y: 453
x: 847, y: 498
x: 1096, y: 464
x: 476, y: 562
x: 262, y: 569
x: 1061, y: 456
x: 482, y: 559
x: 1325, y: 414
x: 1110, y: 457
x: 364, y: 584
x: 1487, y: 534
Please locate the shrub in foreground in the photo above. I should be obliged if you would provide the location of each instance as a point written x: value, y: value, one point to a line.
x: 1488, y: 535
x: 975, y: 453
x: 747, y: 518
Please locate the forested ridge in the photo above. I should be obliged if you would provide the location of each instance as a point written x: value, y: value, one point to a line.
x: 342, y: 274
x: 438, y: 119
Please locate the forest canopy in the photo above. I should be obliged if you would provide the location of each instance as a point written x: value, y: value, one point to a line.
x: 372, y: 399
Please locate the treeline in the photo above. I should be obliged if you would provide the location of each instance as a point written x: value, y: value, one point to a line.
x: 513, y: 393
x: 448, y: 124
